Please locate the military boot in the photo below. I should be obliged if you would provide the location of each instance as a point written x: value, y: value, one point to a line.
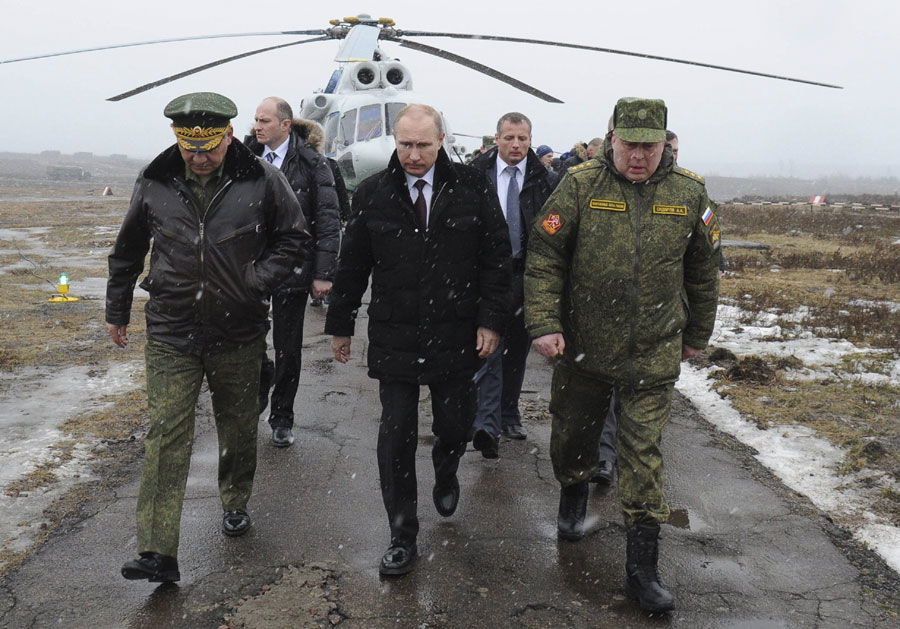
x: 572, y: 509
x: 644, y: 584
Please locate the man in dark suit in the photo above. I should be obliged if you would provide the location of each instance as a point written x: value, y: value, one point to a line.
x: 431, y: 234
x: 522, y: 185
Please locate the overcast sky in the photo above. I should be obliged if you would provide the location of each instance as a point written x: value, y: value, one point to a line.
x: 729, y: 124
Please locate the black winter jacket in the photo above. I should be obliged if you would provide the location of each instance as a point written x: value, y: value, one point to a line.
x: 209, y: 279
x: 536, y: 187
x: 310, y: 177
x: 430, y: 290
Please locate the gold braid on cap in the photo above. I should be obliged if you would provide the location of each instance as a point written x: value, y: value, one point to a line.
x: 189, y: 136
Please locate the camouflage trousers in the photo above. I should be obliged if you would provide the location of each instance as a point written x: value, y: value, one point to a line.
x: 173, y: 386
x: 578, y: 404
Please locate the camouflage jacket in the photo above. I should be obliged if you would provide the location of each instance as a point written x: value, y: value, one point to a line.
x: 627, y: 272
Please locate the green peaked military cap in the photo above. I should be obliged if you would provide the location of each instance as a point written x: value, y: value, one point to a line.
x: 640, y: 120
x: 200, y: 119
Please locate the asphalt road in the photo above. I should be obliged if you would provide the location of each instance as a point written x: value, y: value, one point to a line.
x: 742, y: 551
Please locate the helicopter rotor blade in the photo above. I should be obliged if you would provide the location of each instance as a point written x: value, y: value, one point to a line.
x: 207, y: 66
x: 64, y: 53
x: 479, y: 67
x: 613, y: 51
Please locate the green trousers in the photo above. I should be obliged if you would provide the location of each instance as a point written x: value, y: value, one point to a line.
x: 173, y: 385
x: 578, y: 404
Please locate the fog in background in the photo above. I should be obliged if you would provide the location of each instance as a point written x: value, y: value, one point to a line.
x: 729, y: 124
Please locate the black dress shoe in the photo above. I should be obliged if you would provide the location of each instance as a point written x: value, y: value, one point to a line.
x: 572, y: 509
x: 514, y: 431
x: 446, y: 497
x: 397, y: 559
x: 235, y: 523
x: 486, y: 443
x: 604, y: 474
x: 282, y: 437
x: 154, y: 567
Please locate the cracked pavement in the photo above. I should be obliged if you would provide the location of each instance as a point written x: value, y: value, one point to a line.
x: 747, y: 553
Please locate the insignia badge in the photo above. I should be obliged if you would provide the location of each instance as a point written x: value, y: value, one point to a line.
x: 670, y: 210
x: 714, y: 235
x: 198, y: 130
x: 707, y: 216
x: 605, y: 204
x: 553, y: 223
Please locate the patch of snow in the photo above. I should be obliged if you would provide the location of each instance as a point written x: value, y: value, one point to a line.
x: 804, y: 462
x: 34, y: 403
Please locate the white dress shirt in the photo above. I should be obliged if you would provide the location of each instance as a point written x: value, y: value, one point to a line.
x: 428, y: 190
x: 503, y: 180
x: 280, y: 153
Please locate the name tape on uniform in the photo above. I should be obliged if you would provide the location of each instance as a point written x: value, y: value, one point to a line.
x: 605, y: 204
x: 670, y: 210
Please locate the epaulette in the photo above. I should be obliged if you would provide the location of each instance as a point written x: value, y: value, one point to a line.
x: 591, y: 163
x: 690, y: 174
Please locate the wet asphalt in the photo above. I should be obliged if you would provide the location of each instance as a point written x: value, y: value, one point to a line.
x: 741, y: 551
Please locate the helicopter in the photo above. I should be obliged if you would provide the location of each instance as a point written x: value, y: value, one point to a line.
x: 359, y: 103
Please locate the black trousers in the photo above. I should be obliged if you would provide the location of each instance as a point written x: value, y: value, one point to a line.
x: 288, y: 312
x: 453, y: 411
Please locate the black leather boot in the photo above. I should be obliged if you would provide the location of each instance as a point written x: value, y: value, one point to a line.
x: 644, y: 584
x: 572, y: 509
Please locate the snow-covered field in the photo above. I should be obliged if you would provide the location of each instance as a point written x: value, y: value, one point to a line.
x: 803, y: 461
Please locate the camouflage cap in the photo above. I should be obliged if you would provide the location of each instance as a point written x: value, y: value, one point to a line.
x: 640, y: 120
x: 200, y: 119
x: 487, y: 141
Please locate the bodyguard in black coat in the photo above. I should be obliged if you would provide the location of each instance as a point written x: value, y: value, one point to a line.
x: 439, y: 299
x: 283, y: 141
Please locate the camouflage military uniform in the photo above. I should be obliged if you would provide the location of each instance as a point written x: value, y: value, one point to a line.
x: 627, y: 273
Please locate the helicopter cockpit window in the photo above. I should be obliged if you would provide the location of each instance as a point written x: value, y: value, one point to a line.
x: 331, y: 132
x: 391, y: 110
x: 348, y: 126
x: 369, y: 122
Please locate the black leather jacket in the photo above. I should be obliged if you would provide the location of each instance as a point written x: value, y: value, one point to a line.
x: 209, y: 279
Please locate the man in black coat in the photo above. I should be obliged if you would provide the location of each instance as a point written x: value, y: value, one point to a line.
x: 431, y: 234
x: 522, y: 185
x: 281, y: 140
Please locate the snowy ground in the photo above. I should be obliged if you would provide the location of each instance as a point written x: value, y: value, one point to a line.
x: 804, y: 462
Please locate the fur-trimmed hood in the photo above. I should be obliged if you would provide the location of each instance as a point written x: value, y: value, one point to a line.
x: 311, y: 132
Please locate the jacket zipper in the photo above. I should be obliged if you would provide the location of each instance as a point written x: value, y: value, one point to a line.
x: 632, y: 341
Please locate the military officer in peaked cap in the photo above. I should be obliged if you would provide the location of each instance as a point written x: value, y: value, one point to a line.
x: 621, y: 285
x: 226, y: 230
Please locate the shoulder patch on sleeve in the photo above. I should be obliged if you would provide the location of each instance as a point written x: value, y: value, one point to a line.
x: 552, y: 223
x: 690, y: 174
x: 591, y: 163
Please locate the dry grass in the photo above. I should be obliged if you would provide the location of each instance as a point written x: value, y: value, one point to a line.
x: 843, y: 267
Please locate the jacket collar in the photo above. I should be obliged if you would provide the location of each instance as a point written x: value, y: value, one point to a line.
x: 488, y: 162
x: 240, y: 163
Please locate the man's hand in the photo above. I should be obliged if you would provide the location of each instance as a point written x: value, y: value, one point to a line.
x: 320, y: 288
x: 689, y: 352
x: 340, y: 346
x: 118, y: 334
x: 550, y: 345
x: 487, y: 342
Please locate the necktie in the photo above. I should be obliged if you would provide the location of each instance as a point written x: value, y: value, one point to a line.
x: 270, y: 156
x: 421, y: 206
x: 512, y: 210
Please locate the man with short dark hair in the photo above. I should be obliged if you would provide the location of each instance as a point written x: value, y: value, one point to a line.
x: 521, y: 184
x: 431, y: 235
x: 621, y: 285
x: 226, y: 230
x: 281, y: 141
